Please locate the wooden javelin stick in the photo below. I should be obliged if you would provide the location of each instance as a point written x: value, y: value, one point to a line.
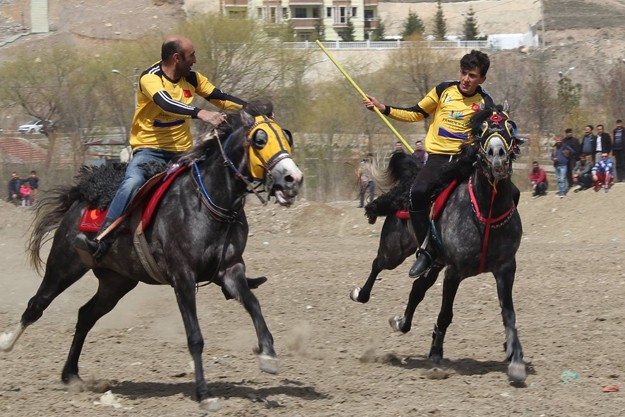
x: 362, y: 93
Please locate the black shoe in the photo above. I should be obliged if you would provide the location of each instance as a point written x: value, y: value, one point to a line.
x: 422, y: 264
x: 96, y: 248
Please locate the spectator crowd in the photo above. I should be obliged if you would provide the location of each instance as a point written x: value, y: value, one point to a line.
x: 22, y: 192
x: 596, y: 161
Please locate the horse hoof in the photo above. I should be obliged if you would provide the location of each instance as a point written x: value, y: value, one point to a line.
x: 210, y: 404
x: 268, y: 364
x: 6, y: 342
x: 395, y: 323
x: 354, y: 294
x: 517, y: 372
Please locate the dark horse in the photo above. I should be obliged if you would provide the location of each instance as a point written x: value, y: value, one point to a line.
x: 397, y: 239
x: 198, y: 234
x: 478, y: 231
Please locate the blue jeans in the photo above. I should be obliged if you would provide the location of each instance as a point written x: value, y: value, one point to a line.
x: 561, y: 176
x: 135, y: 178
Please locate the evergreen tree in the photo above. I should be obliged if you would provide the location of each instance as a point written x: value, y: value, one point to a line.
x: 412, y: 25
x: 470, y: 26
x: 348, y: 35
x: 320, y: 31
x: 378, y: 33
x: 440, y: 24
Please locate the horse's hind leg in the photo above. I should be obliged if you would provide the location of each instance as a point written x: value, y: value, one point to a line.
x: 446, y: 314
x: 112, y: 287
x: 62, y: 270
x: 419, y: 288
x: 514, y: 352
x: 235, y: 284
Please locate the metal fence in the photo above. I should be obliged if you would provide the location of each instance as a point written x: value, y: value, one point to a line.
x: 394, y: 44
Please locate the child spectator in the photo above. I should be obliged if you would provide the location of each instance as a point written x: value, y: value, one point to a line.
x: 25, y: 192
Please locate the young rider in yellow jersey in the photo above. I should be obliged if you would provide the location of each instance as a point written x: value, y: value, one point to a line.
x: 451, y: 105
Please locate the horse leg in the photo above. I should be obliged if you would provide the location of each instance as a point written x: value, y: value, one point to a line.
x: 62, y: 270
x: 111, y: 288
x: 363, y: 294
x: 514, y: 352
x: 185, y: 296
x: 396, y: 244
x: 419, y: 288
x: 446, y: 314
x: 234, y: 281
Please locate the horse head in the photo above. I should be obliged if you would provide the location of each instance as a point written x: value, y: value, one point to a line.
x: 495, y: 137
x: 269, y: 154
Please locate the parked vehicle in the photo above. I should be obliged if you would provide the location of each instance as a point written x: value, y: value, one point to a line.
x: 34, y: 126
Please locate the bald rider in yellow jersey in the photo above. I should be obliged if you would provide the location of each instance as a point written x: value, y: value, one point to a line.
x: 451, y: 104
x: 161, y: 129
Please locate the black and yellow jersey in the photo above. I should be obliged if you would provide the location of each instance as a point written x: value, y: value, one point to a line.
x: 452, y: 116
x: 164, y: 109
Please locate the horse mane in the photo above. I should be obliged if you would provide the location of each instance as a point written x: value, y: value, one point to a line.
x: 466, y: 158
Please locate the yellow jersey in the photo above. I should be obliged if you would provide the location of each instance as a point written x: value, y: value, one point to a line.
x: 452, y: 112
x: 164, y: 110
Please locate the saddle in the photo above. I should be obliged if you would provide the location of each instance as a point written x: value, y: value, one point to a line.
x: 141, y: 209
x: 437, y: 206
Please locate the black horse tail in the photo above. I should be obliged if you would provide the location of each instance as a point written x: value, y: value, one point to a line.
x: 49, y: 211
x: 400, y: 173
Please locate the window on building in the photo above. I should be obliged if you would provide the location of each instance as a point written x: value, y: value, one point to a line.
x: 316, y: 13
x: 354, y: 9
x: 342, y: 15
x: 368, y: 14
x: 285, y: 13
x: 259, y: 13
x: 272, y: 15
x: 328, y: 11
x: 304, y: 36
x: 300, y: 13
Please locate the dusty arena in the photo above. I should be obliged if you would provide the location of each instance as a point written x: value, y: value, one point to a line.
x: 338, y: 357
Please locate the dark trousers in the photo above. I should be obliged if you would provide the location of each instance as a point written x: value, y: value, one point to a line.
x: 619, y: 160
x: 426, y: 181
x: 569, y: 173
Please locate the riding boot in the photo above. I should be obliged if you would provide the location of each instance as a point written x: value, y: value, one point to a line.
x: 425, y: 256
x: 97, y: 247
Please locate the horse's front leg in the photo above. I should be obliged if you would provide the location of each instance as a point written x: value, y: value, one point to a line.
x: 236, y: 285
x: 363, y: 294
x: 504, y: 276
x: 419, y: 288
x: 184, y: 288
x: 446, y: 314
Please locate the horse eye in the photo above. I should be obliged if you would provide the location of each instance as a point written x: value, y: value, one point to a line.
x: 289, y: 136
x: 259, y: 140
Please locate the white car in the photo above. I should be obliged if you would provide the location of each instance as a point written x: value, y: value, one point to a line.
x: 33, y: 126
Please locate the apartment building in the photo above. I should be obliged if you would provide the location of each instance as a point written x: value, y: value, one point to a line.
x: 308, y: 18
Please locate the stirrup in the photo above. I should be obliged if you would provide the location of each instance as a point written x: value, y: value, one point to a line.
x: 422, y: 264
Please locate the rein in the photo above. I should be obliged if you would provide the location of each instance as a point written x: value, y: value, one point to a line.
x: 489, y: 222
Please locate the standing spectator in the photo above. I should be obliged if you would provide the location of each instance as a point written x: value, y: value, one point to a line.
x: 33, y: 182
x: 420, y: 154
x: 560, y: 156
x: 589, y: 142
x: 618, y: 150
x: 582, y: 173
x: 603, y: 173
x: 538, y: 180
x: 398, y: 147
x: 604, y: 143
x: 14, y: 189
x: 25, y: 192
x: 365, y: 180
x: 573, y: 142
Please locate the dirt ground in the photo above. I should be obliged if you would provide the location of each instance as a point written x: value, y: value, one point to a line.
x: 338, y: 357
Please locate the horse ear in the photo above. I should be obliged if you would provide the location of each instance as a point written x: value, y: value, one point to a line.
x: 506, y: 106
x: 247, y: 119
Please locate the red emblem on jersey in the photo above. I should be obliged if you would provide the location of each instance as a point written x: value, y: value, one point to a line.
x: 475, y: 107
x: 187, y: 93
